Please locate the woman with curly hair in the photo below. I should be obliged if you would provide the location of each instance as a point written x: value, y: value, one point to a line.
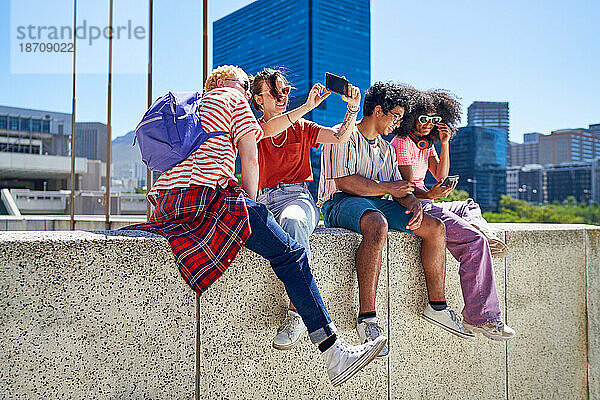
x: 432, y: 120
x: 285, y: 168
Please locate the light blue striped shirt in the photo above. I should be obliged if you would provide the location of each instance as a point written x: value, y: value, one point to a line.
x: 376, y: 161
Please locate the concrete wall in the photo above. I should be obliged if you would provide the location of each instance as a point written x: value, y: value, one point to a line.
x: 89, y: 313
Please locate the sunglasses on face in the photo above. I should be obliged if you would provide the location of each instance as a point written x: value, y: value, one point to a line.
x: 244, y: 84
x: 423, y: 119
x: 285, y: 91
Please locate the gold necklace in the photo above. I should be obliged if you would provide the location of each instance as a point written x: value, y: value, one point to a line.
x: 282, y: 143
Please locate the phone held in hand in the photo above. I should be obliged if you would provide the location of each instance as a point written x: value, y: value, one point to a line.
x: 450, y: 180
x: 336, y: 84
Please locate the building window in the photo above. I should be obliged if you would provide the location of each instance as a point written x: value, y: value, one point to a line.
x: 13, y: 123
x: 60, y: 129
x: 24, y: 124
x: 36, y: 125
x: 3, y: 122
x: 46, y: 126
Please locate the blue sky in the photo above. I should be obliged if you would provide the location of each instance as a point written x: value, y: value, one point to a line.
x: 541, y: 56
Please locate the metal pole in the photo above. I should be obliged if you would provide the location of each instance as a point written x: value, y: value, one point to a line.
x: 109, y: 120
x: 204, y: 41
x: 150, y: 28
x: 72, y: 194
x: 204, y: 76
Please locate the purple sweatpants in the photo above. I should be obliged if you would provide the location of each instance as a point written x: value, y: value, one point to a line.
x: 470, y: 248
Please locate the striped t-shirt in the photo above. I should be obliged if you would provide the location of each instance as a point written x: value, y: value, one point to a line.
x: 213, y: 164
x: 374, y: 160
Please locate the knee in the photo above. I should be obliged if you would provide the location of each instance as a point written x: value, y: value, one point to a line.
x: 433, y: 227
x: 294, y: 225
x: 374, y: 227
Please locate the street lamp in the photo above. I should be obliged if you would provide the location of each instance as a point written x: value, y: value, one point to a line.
x: 474, y: 182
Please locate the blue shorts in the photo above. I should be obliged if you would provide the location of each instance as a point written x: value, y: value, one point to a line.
x: 345, y: 210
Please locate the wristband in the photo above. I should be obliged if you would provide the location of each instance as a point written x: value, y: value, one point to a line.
x: 352, y: 111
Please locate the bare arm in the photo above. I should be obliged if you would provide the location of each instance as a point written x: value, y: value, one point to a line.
x: 342, y: 134
x: 361, y: 186
x: 440, y: 169
x: 278, y: 124
x: 249, y: 159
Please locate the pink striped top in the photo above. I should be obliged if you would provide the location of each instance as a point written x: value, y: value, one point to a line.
x: 408, y: 153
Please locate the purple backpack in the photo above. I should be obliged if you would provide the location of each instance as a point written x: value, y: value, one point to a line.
x: 170, y: 131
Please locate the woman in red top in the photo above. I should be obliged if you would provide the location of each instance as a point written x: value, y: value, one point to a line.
x: 285, y: 167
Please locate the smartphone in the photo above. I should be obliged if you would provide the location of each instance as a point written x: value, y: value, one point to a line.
x: 450, y: 180
x: 336, y: 84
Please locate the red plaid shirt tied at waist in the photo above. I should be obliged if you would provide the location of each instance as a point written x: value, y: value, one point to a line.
x: 205, y: 227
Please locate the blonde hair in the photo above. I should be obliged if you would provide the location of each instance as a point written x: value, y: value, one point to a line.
x: 222, y: 72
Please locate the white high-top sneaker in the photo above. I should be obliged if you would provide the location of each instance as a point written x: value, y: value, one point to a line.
x: 343, y: 360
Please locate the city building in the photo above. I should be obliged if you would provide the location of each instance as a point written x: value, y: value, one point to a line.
x: 24, y: 130
x: 555, y: 182
x: 491, y: 114
x: 569, y: 179
x: 307, y: 38
x: 569, y: 145
x: 35, y: 150
x: 512, y: 181
x: 90, y: 140
x: 531, y: 184
x: 478, y: 155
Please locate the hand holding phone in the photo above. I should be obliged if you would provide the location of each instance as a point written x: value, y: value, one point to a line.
x: 336, y: 84
x: 450, y: 180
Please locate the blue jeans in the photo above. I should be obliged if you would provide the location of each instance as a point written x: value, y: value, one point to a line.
x: 294, y: 209
x: 290, y: 263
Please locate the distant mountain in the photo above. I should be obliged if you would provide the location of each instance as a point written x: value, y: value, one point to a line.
x: 126, y: 158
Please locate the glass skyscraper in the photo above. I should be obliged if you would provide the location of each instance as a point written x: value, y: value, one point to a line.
x: 307, y: 38
x: 478, y: 155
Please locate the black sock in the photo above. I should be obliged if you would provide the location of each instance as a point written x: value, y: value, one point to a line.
x: 327, y: 343
x: 365, y: 315
x: 438, y: 305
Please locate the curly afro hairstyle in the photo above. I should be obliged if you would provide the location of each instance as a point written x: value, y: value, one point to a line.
x: 439, y: 101
x: 387, y: 95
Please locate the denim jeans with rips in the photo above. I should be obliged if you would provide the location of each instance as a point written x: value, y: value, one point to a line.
x: 289, y: 260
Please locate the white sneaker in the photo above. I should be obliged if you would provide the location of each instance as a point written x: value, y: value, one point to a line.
x: 369, y: 330
x: 343, y: 360
x: 289, y: 332
x: 498, y: 248
x: 447, y: 319
x: 495, y: 330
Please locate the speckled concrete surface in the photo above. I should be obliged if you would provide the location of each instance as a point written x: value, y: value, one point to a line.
x: 242, y: 310
x: 547, y: 307
x: 85, y: 315
x: 107, y: 314
x: 426, y: 361
x: 593, y: 311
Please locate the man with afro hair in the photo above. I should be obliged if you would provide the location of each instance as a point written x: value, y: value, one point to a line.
x: 355, y: 176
